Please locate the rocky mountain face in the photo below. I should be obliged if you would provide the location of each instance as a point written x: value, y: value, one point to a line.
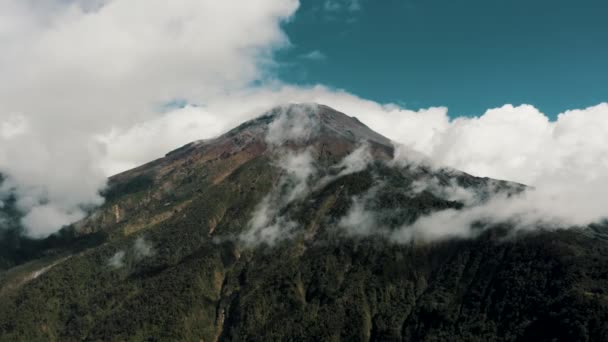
x: 301, y: 225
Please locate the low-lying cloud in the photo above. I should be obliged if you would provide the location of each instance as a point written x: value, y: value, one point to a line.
x: 293, y: 124
x: 267, y: 224
x: 117, y: 260
x: 140, y: 249
x: 485, y: 205
x: 300, y: 174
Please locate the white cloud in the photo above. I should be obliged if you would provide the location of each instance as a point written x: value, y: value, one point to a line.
x: 128, y: 147
x: 293, y: 123
x: 267, y: 225
x: 356, y: 161
x: 117, y: 260
x: 142, y: 248
x: 81, y: 77
x: 47, y: 217
x: 565, y: 160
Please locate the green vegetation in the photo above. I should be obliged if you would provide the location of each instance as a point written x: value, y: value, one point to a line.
x: 201, y: 284
x: 136, y: 184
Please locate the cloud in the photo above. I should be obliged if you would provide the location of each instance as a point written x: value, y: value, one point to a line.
x: 485, y: 205
x: 142, y: 248
x: 299, y: 168
x: 293, y: 124
x: 355, y: 161
x: 128, y: 147
x: 314, y: 55
x: 565, y: 160
x: 139, y: 250
x: 83, y: 76
x: 342, y: 5
x: 267, y: 225
x: 47, y: 217
x: 361, y: 220
x: 117, y: 260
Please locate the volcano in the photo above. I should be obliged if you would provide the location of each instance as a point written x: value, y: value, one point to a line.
x: 301, y: 224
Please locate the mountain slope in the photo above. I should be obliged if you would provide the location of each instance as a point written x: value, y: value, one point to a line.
x: 285, y: 228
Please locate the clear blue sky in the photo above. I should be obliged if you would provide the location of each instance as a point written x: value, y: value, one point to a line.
x: 468, y: 55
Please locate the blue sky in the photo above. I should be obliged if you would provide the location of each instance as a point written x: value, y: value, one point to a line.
x: 468, y: 55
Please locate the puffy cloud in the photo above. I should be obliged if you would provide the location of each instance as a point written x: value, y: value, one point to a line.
x: 128, y: 147
x: 82, y: 77
x: 47, y: 217
x: 565, y: 160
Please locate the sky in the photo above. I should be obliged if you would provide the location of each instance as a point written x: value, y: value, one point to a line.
x: 95, y: 87
x: 467, y: 55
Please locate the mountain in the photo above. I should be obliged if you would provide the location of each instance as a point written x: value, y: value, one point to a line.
x: 300, y: 225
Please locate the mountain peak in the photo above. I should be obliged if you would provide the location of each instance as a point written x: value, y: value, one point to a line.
x: 304, y: 122
x: 332, y: 134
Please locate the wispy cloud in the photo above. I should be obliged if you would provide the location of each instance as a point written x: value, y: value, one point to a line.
x: 314, y: 55
x: 142, y: 248
x: 117, y: 260
x: 342, y: 5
